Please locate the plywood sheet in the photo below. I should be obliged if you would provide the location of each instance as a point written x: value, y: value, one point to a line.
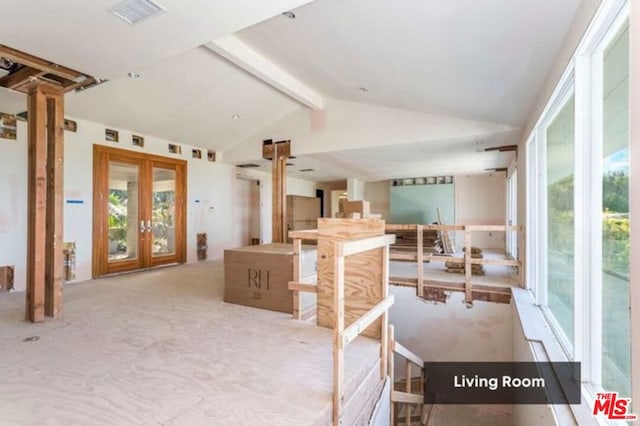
x: 363, y: 272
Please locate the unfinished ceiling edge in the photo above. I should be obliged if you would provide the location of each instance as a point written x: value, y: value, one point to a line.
x: 242, y: 55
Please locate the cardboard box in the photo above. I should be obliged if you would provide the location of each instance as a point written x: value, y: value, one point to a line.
x: 356, y: 206
x: 259, y: 276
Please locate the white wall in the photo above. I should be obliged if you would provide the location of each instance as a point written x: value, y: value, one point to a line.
x: 451, y: 331
x: 13, y: 199
x: 210, y: 197
x: 482, y: 200
x: 378, y: 195
x: 527, y: 415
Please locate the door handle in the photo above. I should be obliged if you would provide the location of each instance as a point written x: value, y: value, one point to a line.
x: 142, y: 228
x: 148, y: 226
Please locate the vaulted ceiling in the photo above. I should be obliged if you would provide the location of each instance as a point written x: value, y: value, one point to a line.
x: 465, y: 60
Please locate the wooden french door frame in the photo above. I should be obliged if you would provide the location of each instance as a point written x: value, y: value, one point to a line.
x: 146, y: 163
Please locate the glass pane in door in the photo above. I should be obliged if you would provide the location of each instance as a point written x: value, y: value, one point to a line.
x: 123, y: 211
x: 163, y: 212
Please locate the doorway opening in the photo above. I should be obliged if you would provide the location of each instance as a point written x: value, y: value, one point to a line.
x: 139, y: 217
x: 247, y: 211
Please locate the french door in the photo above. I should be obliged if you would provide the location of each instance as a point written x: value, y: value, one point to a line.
x: 138, y: 210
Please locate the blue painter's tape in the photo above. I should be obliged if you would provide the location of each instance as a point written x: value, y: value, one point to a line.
x: 75, y: 201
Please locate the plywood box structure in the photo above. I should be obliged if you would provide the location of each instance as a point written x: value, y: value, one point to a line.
x: 363, y: 271
x: 302, y: 212
x: 259, y: 276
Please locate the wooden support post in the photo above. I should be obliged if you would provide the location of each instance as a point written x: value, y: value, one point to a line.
x: 45, y: 221
x: 384, y: 324
x: 37, y: 203
x: 278, y: 153
x: 338, y: 327
x: 297, y: 260
x: 55, y: 172
x: 420, y: 260
x: 468, y: 298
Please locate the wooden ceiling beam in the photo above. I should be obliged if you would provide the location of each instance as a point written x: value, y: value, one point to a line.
x: 21, y: 77
x: 39, y: 63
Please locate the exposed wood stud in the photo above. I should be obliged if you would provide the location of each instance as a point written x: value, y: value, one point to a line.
x: 54, y: 228
x: 20, y: 78
x: 391, y: 368
x: 338, y: 328
x: 297, y: 260
x: 384, y: 340
x: 278, y: 153
x: 37, y: 202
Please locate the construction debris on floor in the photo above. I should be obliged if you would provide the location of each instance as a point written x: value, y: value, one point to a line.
x: 457, y: 265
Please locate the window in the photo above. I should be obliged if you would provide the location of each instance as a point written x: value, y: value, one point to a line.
x: 616, y: 351
x: 578, y: 220
x: 560, y: 135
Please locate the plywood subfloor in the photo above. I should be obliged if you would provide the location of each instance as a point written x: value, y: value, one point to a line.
x: 162, y: 348
x: 494, y: 274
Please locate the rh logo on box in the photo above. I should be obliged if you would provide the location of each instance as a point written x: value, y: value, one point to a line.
x: 612, y: 407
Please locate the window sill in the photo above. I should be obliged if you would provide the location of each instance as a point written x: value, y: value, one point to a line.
x: 546, y: 347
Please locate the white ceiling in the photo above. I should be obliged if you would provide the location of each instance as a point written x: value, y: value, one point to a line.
x: 479, y: 60
x: 484, y: 60
x: 82, y: 34
x: 188, y: 98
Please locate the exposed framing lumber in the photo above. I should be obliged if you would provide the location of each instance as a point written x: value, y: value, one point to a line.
x: 468, y: 297
x: 278, y: 153
x: 384, y: 336
x: 41, y: 73
x: 297, y: 267
x: 37, y: 201
x: 499, y: 294
x: 308, y: 234
x: 350, y: 333
x: 341, y: 336
x: 338, y: 328
x: 406, y: 398
x: 407, y: 354
x: 54, y: 229
x: 19, y: 78
x: 45, y: 199
x: 304, y: 287
x: 358, y: 246
x: 38, y: 63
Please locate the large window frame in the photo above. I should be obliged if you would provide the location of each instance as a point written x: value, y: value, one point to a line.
x: 583, y: 77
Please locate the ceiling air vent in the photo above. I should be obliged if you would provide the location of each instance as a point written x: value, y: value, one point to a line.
x: 247, y: 165
x: 134, y: 11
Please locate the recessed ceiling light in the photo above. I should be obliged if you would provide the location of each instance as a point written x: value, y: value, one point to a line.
x: 235, y: 116
x: 134, y: 75
x: 289, y: 14
x: 363, y: 89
